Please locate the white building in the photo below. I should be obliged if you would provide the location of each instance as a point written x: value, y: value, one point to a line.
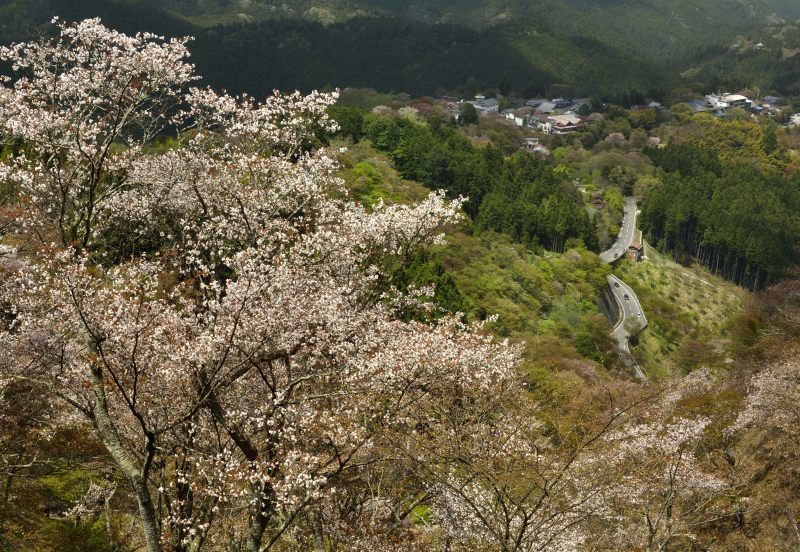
x: 723, y: 102
x: 531, y: 142
x: 486, y: 105
x: 514, y: 117
x: 737, y: 100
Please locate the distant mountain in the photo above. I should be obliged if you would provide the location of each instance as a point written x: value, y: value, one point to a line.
x: 384, y: 52
x: 570, y: 47
x: 24, y: 18
x: 652, y: 27
x: 765, y: 60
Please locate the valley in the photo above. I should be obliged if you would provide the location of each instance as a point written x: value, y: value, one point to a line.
x: 501, y: 275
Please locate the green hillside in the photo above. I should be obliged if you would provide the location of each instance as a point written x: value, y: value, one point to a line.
x: 386, y: 53
x: 547, y: 301
x: 542, y: 47
x: 742, y: 64
x: 654, y: 27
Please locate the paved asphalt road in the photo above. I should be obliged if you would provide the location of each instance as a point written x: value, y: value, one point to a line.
x: 626, y: 234
x: 632, y: 317
x: 629, y: 307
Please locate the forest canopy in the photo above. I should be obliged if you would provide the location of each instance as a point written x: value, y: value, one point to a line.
x: 519, y: 195
x: 739, y: 220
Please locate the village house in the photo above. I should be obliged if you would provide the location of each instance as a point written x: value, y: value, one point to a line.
x: 737, y: 100
x: 523, y: 114
x: 697, y: 106
x: 519, y: 117
x: 531, y: 142
x: 541, y: 123
x: 564, y: 124
x: 486, y: 105
x: 513, y: 117
x: 580, y: 102
x: 635, y: 252
x: 535, y: 102
x: 545, y: 108
x: 719, y: 103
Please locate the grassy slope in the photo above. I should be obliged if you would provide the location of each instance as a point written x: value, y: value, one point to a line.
x: 688, y: 309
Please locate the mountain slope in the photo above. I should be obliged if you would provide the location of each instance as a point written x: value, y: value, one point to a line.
x: 393, y: 54
x: 654, y: 27
x: 531, y: 47
x: 387, y: 53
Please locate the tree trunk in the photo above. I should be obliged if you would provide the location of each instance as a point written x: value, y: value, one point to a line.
x: 6, y: 499
x: 258, y: 521
x: 126, y: 463
x: 319, y: 532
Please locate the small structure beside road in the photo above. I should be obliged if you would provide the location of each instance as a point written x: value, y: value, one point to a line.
x: 635, y: 252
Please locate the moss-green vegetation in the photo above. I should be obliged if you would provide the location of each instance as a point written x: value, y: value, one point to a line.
x: 689, y: 312
x: 68, y: 486
x: 519, y: 195
x: 370, y: 177
x: 547, y: 301
x: 422, y: 514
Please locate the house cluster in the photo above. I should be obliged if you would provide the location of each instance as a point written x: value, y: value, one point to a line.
x: 548, y: 116
x: 720, y: 104
x: 556, y: 116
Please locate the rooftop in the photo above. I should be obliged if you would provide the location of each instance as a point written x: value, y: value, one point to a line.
x: 735, y: 98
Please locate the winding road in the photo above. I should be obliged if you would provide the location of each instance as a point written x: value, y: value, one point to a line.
x: 632, y: 319
x: 626, y: 234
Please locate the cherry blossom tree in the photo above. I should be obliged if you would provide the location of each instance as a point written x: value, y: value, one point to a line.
x: 219, y: 314
x: 770, y: 418
x: 773, y: 400
x: 666, y: 488
x: 222, y: 317
x: 79, y: 100
x: 663, y: 492
x: 538, y: 479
